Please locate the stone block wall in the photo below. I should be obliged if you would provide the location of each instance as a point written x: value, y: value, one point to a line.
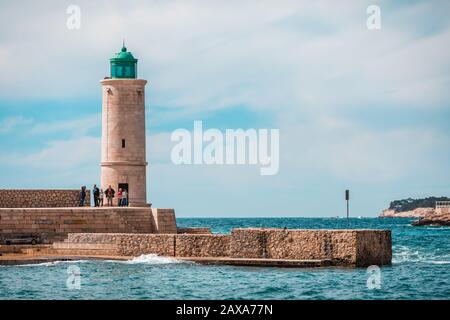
x: 162, y: 244
x: 247, y: 244
x: 41, y: 198
x: 346, y: 247
x: 128, y: 244
x: 296, y: 244
x: 337, y: 245
x: 53, y: 224
x: 373, y: 247
x: 189, y: 245
x: 358, y: 248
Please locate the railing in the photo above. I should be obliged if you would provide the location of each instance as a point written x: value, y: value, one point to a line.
x: 442, y: 204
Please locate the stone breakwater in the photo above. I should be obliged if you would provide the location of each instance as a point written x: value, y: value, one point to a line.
x: 357, y: 248
x: 41, y: 198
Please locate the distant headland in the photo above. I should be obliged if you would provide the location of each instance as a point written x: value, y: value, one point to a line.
x: 431, y: 210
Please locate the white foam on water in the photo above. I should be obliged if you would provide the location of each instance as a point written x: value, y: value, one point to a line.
x: 438, y: 262
x: 150, y: 259
x: 153, y: 259
x: 402, y: 254
x: 50, y: 263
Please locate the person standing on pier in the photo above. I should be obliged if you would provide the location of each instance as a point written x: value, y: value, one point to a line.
x: 109, y: 196
x: 96, y: 193
x: 82, y: 196
x: 124, y: 198
x: 119, y: 197
x: 102, y: 195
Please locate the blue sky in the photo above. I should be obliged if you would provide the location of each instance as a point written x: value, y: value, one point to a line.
x: 361, y: 109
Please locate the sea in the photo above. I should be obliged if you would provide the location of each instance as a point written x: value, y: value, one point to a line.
x: 420, y: 270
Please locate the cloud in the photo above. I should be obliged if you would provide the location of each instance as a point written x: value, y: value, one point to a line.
x: 348, y: 151
x: 207, y: 55
x: 78, y: 127
x: 58, y: 164
x: 30, y: 127
x: 158, y: 148
x: 59, y: 155
x: 12, y: 123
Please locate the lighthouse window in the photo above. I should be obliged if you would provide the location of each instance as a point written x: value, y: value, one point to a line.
x: 123, y: 143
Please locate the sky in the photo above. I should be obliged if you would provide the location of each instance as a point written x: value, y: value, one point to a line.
x: 357, y: 108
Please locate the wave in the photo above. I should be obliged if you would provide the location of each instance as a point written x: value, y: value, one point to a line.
x: 403, y: 254
x: 438, y: 262
x: 50, y: 263
x: 152, y: 259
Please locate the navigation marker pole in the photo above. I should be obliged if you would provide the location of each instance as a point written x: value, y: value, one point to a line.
x: 347, y: 198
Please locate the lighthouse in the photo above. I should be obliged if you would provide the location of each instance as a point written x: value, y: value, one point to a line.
x: 123, y: 158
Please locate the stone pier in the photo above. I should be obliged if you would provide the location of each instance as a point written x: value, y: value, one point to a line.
x: 264, y: 247
x: 127, y: 232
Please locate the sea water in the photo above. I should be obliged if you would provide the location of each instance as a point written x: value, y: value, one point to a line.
x: 420, y: 270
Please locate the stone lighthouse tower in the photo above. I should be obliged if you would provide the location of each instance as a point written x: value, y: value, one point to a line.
x: 123, y: 160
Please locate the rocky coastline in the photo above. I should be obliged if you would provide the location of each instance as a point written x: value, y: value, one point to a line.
x: 416, y: 213
x: 435, y: 220
x: 426, y: 216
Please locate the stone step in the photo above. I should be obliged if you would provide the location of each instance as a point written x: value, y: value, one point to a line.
x: 84, y: 252
x: 38, y: 251
x: 70, y: 248
x: 90, y: 246
x: 23, y: 248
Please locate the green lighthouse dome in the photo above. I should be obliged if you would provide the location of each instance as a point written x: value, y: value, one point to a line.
x: 123, y: 65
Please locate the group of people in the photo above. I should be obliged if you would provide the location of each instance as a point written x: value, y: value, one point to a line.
x: 109, y: 194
